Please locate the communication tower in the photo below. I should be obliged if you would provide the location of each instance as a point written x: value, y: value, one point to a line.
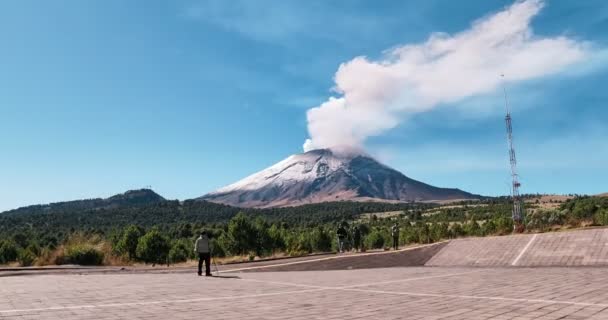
x: 517, y: 213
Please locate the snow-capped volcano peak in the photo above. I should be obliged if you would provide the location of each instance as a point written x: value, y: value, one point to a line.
x: 304, y: 167
x: 328, y: 175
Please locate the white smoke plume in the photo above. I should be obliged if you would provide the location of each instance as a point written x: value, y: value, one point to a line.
x: 374, y: 96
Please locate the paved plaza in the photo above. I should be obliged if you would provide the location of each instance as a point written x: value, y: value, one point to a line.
x: 587, y: 247
x: 389, y: 293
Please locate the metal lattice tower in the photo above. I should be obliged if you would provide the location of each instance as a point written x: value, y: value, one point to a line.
x: 517, y: 213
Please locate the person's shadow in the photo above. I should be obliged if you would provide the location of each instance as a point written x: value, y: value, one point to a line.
x: 226, y: 277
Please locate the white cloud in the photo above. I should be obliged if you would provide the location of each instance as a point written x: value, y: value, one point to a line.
x: 375, y: 96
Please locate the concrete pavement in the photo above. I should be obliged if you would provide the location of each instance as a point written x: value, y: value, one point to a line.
x: 391, y: 293
x: 586, y: 247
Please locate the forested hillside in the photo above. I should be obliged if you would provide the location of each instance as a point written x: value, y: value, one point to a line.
x: 163, y: 231
x: 68, y: 218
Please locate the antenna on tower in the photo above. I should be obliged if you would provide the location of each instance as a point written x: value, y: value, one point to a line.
x: 517, y: 213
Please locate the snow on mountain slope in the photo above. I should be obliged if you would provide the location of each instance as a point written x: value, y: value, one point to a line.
x: 295, y: 168
x: 328, y: 175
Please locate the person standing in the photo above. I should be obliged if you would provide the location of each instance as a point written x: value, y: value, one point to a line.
x: 341, y: 237
x: 357, y: 238
x: 203, y: 248
x: 395, y: 234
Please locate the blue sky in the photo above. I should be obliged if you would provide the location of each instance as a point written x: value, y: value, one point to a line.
x: 98, y: 97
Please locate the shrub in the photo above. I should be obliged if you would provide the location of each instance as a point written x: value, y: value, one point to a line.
x: 424, y: 233
x: 542, y: 219
x: 26, y: 258
x: 180, y: 251
x: 472, y: 228
x: 489, y: 228
x: 375, y: 240
x: 584, y: 209
x: 8, y: 251
x: 298, y: 243
x: 456, y: 230
x: 34, y: 248
x: 504, y: 225
x: 439, y: 231
x: 49, y: 241
x: 82, y: 254
x: 153, y: 247
x: 408, y: 234
x: 601, y: 217
x: 217, y: 247
x: 321, y: 240
x: 47, y: 256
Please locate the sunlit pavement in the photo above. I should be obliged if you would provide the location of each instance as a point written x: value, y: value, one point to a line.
x: 391, y: 293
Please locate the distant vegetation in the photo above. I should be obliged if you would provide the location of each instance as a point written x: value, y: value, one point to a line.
x: 161, y: 231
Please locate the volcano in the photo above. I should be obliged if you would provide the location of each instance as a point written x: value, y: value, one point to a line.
x: 325, y: 175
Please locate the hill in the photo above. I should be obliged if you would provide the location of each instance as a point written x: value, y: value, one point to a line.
x: 168, y: 213
x: 141, y: 197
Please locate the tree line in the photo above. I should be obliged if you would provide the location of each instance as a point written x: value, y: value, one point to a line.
x: 165, y: 232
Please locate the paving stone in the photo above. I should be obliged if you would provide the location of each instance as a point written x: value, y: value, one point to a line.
x: 391, y: 293
x: 571, y: 248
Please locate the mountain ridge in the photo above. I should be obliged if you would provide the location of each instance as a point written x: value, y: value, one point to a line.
x: 138, y: 197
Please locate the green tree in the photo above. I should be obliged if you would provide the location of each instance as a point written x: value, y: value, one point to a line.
x: 584, y: 209
x: 185, y: 231
x: 264, y: 242
x: 364, y: 229
x: 321, y: 241
x: 456, y: 230
x: 241, y: 235
x: 218, y: 249
x: 153, y: 247
x: 8, y: 251
x: 181, y: 250
x: 276, y: 237
x: 22, y: 239
x: 424, y: 233
x: 129, y: 241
